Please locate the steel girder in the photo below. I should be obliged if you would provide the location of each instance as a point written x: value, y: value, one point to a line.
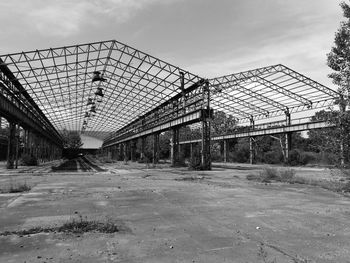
x: 17, y: 106
x: 60, y: 81
x: 276, y: 89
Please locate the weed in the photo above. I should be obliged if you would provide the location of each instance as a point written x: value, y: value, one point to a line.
x: 75, y: 226
x: 272, y: 174
x: 262, y: 254
x: 16, y: 188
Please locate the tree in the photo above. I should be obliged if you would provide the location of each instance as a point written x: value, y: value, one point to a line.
x: 339, y: 61
x: 71, y: 139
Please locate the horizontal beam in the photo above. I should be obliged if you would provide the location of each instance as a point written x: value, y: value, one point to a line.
x: 183, y: 120
x: 22, y: 116
x: 269, y: 131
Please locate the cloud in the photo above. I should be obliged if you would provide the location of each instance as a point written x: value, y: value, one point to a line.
x: 64, y: 18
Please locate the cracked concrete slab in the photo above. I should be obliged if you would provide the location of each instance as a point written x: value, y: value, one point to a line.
x: 220, y: 218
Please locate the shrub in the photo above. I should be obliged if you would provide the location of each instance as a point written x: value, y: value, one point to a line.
x: 287, y: 175
x: 273, y: 157
x: 268, y: 174
x: 195, y: 163
x: 29, y: 160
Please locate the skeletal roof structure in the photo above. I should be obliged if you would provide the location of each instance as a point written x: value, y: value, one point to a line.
x: 130, y: 83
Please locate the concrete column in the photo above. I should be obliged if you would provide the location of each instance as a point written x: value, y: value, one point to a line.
x: 191, y: 151
x: 11, y: 148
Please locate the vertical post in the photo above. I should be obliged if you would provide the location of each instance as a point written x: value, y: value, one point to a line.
x: 191, y: 151
x: 182, y: 85
x: 288, y: 137
x: 17, y: 147
x: 155, y: 148
x: 125, y: 151
x: 11, y: 149
x: 174, y: 147
x: 205, y: 143
x: 132, y: 150
x: 225, y: 151
x: 142, y: 154
x: 252, y: 142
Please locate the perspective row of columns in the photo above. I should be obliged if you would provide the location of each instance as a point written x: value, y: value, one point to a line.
x: 22, y: 141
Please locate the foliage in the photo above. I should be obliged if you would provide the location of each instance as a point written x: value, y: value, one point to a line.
x: 71, y: 139
x: 222, y: 123
x: 269, y: 174
x: 339, y: 61
x: 29, y: 160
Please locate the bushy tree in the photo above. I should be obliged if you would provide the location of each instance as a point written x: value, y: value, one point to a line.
x: 339, y: 61
x: 71, y: 139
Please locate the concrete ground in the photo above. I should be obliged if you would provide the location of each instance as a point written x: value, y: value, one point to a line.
x: 173, y: 215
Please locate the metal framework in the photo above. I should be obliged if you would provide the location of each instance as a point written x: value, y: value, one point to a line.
x: 117, y: 93
x: 268, y: 92
x: 130, y: 83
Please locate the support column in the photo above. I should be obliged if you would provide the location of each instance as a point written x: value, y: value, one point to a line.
x: 155, y: 148
x: 132, y: 150
x: 174, y: 147
x: 125, y: 151
x: 191, y: 151
x: 225, y: 151
x: 142, y: 153
x: 11, y: 149
x: 288, y: 137
x: 205, y: 153
x: 252, y: 143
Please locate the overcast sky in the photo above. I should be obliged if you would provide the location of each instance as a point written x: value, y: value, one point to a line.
x: 209, y: 38
x: 206, y: 37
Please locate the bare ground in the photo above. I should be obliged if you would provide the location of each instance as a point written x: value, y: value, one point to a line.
x: 173, y: 215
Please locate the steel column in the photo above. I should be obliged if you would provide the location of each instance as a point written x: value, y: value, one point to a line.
x: 11, y: 148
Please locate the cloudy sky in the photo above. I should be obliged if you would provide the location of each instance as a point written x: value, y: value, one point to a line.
x: 209, y: 38
x: 206, y: 37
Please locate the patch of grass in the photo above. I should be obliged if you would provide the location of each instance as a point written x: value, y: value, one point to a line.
x: 16, y: 188
x: 75, y: 226
x: 190, y: 178
x: 269, y: 174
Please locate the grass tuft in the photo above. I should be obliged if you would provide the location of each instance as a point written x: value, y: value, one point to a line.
x: 16, y: 188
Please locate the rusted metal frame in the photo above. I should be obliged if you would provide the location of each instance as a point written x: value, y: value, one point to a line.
x: 106, y: 64
x: 65, y: 59
x: 231, y: 109
x: 26, y: 99
x: 47, y: 78
x: 54, y: 50
x: 308, y: 81
x: 254, y: 94
x: 150, y: 77
x: 131, y: 59
x: 76, y: 83
x: 54, y: 62
x: 35, y: 77
x: 242, y: 75
x: 240, y: 101
x: 159, y: 61
x: 15, y: 110
x: 67, y: 67
x: 282, y: 90
x: 140, y: 123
